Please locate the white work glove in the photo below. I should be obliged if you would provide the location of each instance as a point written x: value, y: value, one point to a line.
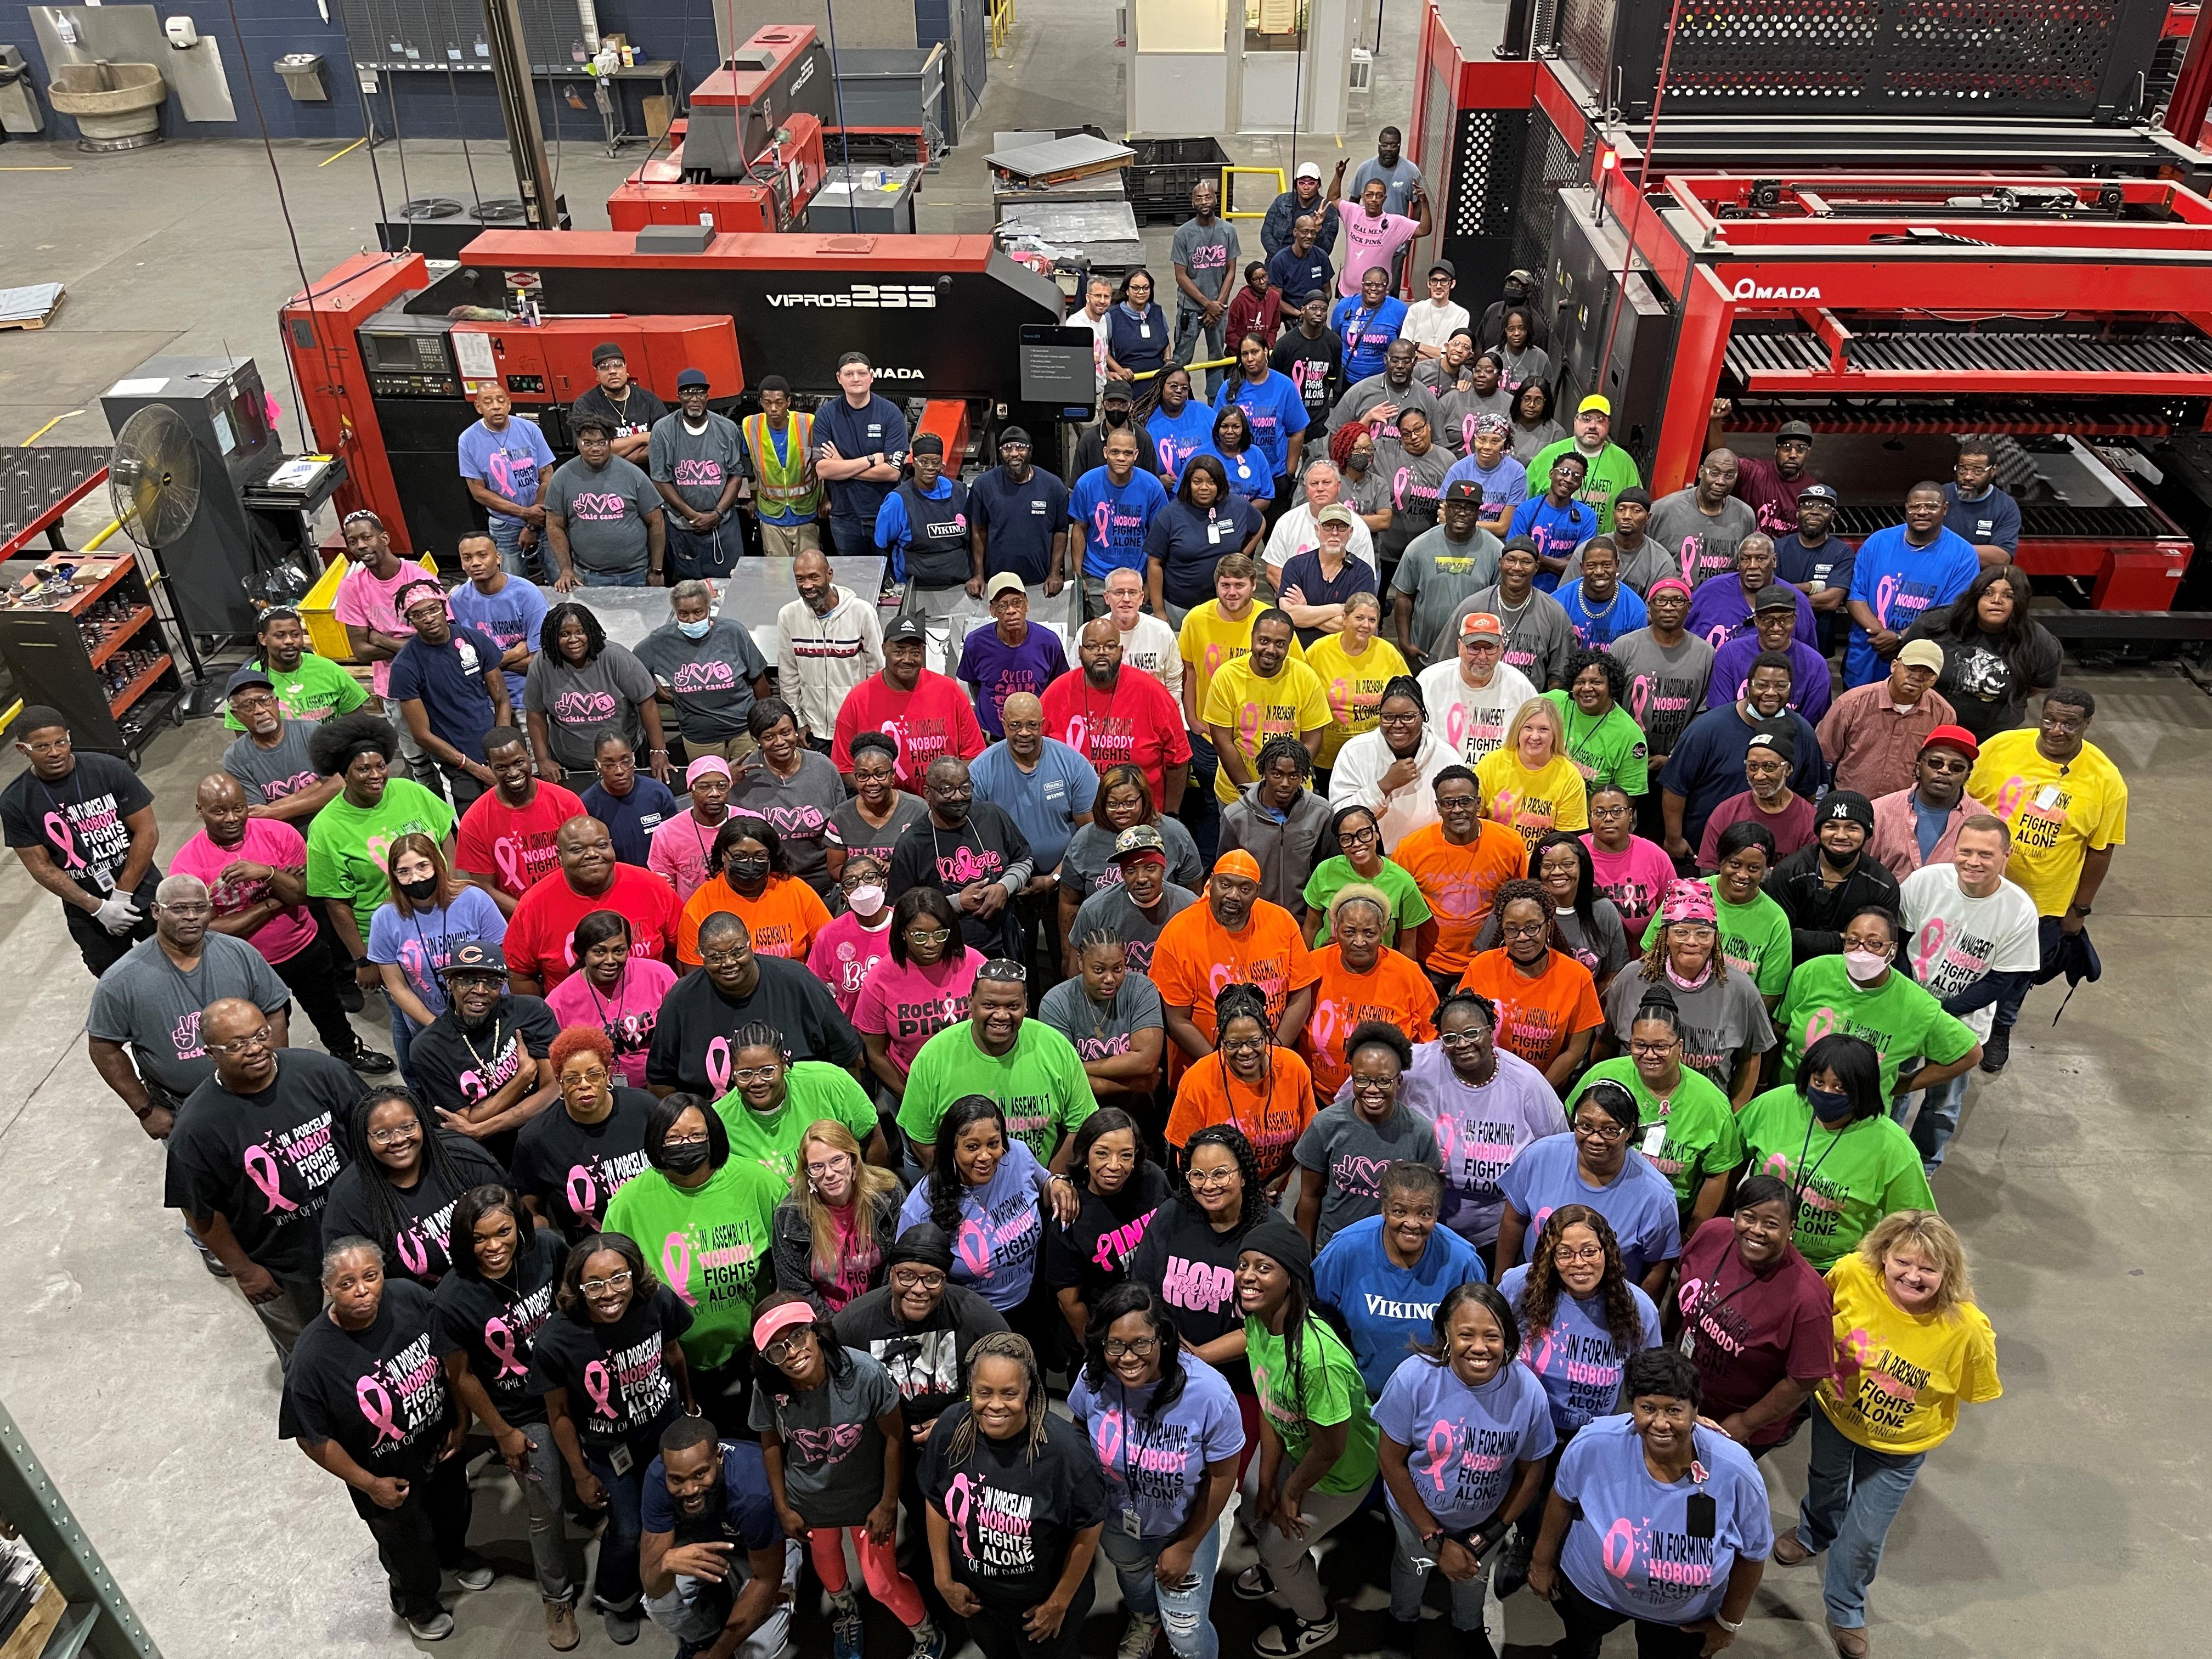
x: 117, y: 914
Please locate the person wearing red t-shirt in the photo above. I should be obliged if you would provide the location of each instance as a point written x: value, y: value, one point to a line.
x: 1770, y: 489
x: 505, y: 842
x: 1113, y: 719
x: 539, y: 950
x: 926, y: 714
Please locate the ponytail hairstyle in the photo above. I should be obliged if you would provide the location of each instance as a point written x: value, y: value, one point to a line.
x: 1003, y: 1344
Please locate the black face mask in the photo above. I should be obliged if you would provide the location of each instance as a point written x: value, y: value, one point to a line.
x: 749, y: 869
x: 683, y: 1160
x: 421, y: 892
x: 1116, y: 417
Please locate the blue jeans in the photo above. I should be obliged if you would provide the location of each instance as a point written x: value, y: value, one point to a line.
x: 1192, y: 332
x: 1184, y: 1613
x: 1408, y: 1582
x: 854, y: 537
x: 615, y: 1585
x: 1938, y: 1120
x: 516, y: 559
x: 611, y: 578
x: 1851, y: 1495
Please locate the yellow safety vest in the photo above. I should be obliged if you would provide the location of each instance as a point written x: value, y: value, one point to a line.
x: 785, y: 488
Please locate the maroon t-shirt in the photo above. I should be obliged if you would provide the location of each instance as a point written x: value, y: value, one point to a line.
x: 1768, y: 494
x: 1747, y: 1332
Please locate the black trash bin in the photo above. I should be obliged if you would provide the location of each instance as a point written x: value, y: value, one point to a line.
x: 1164, y: 174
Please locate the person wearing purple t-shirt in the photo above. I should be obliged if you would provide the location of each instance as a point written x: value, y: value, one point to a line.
x: 1015, y: 655
x: 1774, y: 623
x: 1596, y: 1168
x: 1723, y: 610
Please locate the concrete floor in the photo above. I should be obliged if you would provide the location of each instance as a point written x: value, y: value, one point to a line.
x: 2070, y: 1518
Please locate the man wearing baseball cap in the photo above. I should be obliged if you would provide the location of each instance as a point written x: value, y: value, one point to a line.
x: 1300, y: 201
x: 1770, y: 489
x: 1472, y: 697
x: 1429, y: 322
x: 924, y: 713
x: 1821, y: 887
x: 1767, y: 799
x: 1456, y: 556
x: 1815, y: 564
x: 1137, y: 906
x: 1873, y: 733
x: 484, y: 1058
x: 1012, y: 655
x: 629, y: 409
x: 696, y: 461
x: 1773, y: 628
x: 1611, y: 469
x: 1919, y: 825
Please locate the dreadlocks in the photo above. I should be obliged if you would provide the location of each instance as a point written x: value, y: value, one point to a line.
x: 1003, y: 1344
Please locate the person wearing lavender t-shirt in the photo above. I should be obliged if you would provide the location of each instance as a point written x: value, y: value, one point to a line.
x: 1488, y: 1107
x: 1575, y: 1357
x: 994, y: 1248
x: 1638, y: 1200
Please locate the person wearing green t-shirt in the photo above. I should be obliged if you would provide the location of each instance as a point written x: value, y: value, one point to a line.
x: 1029, y: 1069
x: 1690, y: 1133
x: 1860, y: 994
x: 1357, y: 833
x: 1754, y: 930
x: 1612, y: 468
x: 704, y: 1220
x: 1317, y: 1451
x: 311, y: 688
x: 352, y: 836
x: 1603, y: 740
x: 773, y: 1101
x: 1830, y: 1137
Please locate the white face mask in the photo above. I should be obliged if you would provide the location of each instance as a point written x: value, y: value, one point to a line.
x: 864, y: 901
x: 1864, y: 966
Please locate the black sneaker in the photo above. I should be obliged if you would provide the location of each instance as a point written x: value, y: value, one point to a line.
x: 369, y: 1063
x: 1997, y: 1048
x: 1512, y: 1568
x: 1253, y: 1585
x: 1404, y: 1633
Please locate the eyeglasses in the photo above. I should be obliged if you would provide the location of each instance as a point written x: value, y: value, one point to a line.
x: 928, y: 935
x: 1650, y: 1050
x: 1608, y: 1130
x: 952, y: 791
x: 1370, y: 1086
x: 779, y: 1351
x: 600, y: 1286
x: 816, y: 1171
x: 594, y: 1074
x: 725, y: 958
x: 1209, y: 1178
x: 1524, y: 929
x: 1359, y: 837
x: 1143, y: 1347
x: 1612, y: 811
x: 1563, y: 1256
x: 1695, y: 930
x: 674, y: 1141
x: 404, y: 1133
x: 917, y: 1278
x: 1463, y: 1039
x: 1241, y: 1045
x: 263, y: 1038
x: 1412, y: 717
x: 754, y: 1073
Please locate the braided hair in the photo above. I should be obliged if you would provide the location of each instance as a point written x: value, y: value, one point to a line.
x: 1541, y: 1289
x: 386, y: 1216
x: 759, y: 1033
x: 1282, y: 747
x: 1003, y: 1344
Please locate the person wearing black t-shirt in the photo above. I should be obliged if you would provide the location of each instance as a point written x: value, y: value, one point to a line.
x: 628, y: 408
x: 490, y: 1308
x: 569, y: 1163
x: 1030, y: 1506
x: 485, y: 1063
x: 1313, y: 357
x: 969, y: 850
x: 402, y: 1176
x: 1120, y: 1188
x: 84, y: 827
x: 690, y: 1048
x: 251, y: 1158
x: 609, y: 1367
x: 706, y: 1502
x: 365, y: 1400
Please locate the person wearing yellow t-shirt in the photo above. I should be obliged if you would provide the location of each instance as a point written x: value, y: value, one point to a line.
x: 1910, y: 1348
x: 1259, y: 695
x: 2066, y: 805
x: 1214, y: 635
x: 1353, y: 667
x: 1530, y: 784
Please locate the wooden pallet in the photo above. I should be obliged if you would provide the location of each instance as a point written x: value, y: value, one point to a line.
x: 39, y: 321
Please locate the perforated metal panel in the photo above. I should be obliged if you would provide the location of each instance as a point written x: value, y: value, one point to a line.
x: 1549, y: 162
x: 1485, y: 172
x: 1583, y: 34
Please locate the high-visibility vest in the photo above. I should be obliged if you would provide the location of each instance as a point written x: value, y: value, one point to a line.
x: 787, y: 486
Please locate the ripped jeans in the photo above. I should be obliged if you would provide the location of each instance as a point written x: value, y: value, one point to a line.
x: 1184, y: 1613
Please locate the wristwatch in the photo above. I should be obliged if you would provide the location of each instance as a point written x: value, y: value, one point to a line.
x: 1433, y: 1541
x: 2079, y: 909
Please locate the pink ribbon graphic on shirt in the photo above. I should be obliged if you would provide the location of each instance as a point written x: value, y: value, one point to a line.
x: 261, y: 1169
x: 974, y: 1249
x: 718, y: 1065
x: 1620, y: 1548
x: 600, y: 1383
x: 376, y: 1406
x: 675, y: 1266
x: 1884, y: 592
x: 1440, y: 1451
x: 414, y: 1254
x: 508, y: 857
x: 501, y: 1340
x: 583, y: 1191
x: 1928, y: 945
x: 57, y: 831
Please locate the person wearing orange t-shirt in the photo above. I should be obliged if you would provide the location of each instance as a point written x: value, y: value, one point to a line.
x: 1458, y: 863
x: 752, y: 879
x: 1360, y: 982
x: 1264, y: 1089
x: 1548, y: 1006
x: 1234, y: 937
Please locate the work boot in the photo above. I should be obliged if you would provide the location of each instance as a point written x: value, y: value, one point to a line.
x: 1997, y: 1048
x: 560, y: 1631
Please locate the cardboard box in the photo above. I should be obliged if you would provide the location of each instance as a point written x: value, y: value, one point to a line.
x: 658, y: 111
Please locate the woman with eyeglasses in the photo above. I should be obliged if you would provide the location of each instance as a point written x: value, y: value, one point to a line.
x: 773, y: 1100
x: 859, y: 936
x: 1828, y: 1133
x: 490, y: 1309
x: 1089, y: 866
x: 1465, y: 1430
x: 404, y: 1176
x: 835, y: 1232
x: 1655, y: 1519
x: 833, y: 1442
x: 1119, y: 1189
x: 1263, y: 1091
x: 1861, y: 992
x: 708, y: 1220
x: 752, y: 878
x: 570, y: 1163
x: 1719, y: 1017
x: 610, y: 1366
x: 428, y: 913
x: 879, y: 811
x: 1547, y: 1008
x: 1631, y: 873
x: 1357, y: 835
x: 617, y: 992
x: 1169, y: 1436
x: 1601, y: 1167
x: 1582, y: 1317
x: 1689, y: 1127
x: 366, y: 1403
x: 1349, y: 1144
x: 1360, y: 981
x: 922, y: 987
x: 1589, y: 925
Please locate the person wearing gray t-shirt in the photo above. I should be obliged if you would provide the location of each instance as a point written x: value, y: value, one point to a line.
x: 1399, y: 176
x: 604, y: 517
x: 1204, y: 250
x: 1102, y: 1031
x: 827, y: 1439
x: 148, y: 1004
x: 1704, y: 523
x: 1441, y: 566
x: 284, y: 768
x: 1116, y: 907
x: 1344, y: 1152
x: 696, y: 461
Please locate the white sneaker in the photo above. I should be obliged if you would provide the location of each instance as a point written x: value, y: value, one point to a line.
x: 432, y: 1629
x: 1293, y: 1637
x: 1137, y: 1640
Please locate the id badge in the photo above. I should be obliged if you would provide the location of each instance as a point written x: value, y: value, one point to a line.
x: 620, y: 1461
x: 2047, y: 797
x: 1654, y: 1138
x: 1145, y: 330
x: 1130, y: 1526
x: 1213, y: 531
x: 1685, y: 1343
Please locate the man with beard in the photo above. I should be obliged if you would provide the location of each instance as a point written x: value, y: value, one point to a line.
x: 1668, y: 668
x: 1643, y: 560
x: 1817, y: 564
x: 1020, y: 522
x: 1451, y: 559
x: 1771, y: 489
x: 1235, y: 938
x: 1378, y: 399
x: 924, y: 712
x: 1706, y: 765
x: 310, y: 688
x: 1920, y: 824
x: 1536, y: 637
x: 968, y: 849
x: 1475, y: 693
x: 1594, y: 602
x: 485, y: 1063
x: 1821, y: 887
x: 1279, y: 822
x: 828, y: 641
x: 734, y: 986
x: 1136, y: 906
x: 270, y: 761
x: 590, y: 877
x: 1774, y: 630
x: 703, y: 1502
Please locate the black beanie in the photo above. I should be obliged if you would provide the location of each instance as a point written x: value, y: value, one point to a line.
x: 924, y: 1242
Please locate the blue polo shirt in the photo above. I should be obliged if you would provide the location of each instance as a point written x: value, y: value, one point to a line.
x: 1042, y: 803
x: 858, y: 432
x: 1018, y: 521
x: 632, y: 819
x: 449, y: 680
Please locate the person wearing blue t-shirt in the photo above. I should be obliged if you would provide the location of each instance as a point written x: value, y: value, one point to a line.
x: 1555, y: 520
x: 1181, y: 426
x: 1271, y: 405
x: 1385, y: 1275
x: 1901, y: 572
x: 1112, y: 508
x: 1974, y: 508
x: 1045, y: 787
x: 859, y: 453
x: 1018, y: 517
x: 1601, y: 609
x: 1594, y: 1166
x: 725, y: 1500
x: 1489, y: 466
x: 507, y: 467
x: 508, y: 609
x: 1367, y: 322
x: 449, y: 689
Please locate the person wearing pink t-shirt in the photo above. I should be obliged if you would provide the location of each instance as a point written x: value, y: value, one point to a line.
x: 1372, y: 238
x: 613, y: 990
x: 367, y: 598
x: 917, y: 990
x: 683, y: 850
x: 1631, y: 872
x: 858, y: 937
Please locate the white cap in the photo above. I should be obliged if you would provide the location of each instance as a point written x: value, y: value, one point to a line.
x: 1308, y: 170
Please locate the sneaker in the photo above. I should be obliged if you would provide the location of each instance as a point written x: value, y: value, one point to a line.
x: 1997, y: 1048
x: 477, y: 1575
x: 621, y: 1623
x: 1512, y: 1570
x: 1293, y: 1637
x: 928, y: 1643
x: 1137, y: 1640
x: 1253, y: 1585
x: 436, y: 1628
x: 369, y: 1063
x: 1790, y: 1550
x: 560, y: 1631
x: 847, y: 1630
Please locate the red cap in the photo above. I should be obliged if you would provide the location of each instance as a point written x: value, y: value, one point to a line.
x: 1955, y: 736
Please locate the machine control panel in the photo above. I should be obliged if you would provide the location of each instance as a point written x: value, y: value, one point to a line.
x: 534, y: 385
x: 409, y: 362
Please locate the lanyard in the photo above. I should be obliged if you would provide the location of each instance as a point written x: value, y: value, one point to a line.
x: 1805, y: 1178
x: 608, y: 1021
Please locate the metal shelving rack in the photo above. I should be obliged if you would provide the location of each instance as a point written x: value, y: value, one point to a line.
x: 99, y: 1620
